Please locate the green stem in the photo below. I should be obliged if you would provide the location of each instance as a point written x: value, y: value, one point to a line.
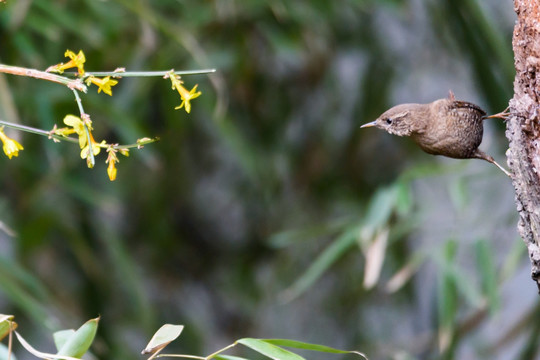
x: 84, y: 116
x: 78, y: 85
x: 49, y: 134
x: 140, y: 143
x: 220, y: 351
x: 199, y: 357
x: 37, y: 131
x: 120, y: 74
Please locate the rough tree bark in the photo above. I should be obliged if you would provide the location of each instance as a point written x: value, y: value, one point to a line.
x: 523, y: 127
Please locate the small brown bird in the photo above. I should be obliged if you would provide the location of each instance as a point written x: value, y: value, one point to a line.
x: 447, y: 127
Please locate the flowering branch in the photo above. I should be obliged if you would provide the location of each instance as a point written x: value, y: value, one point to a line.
x: 82, y: 126
x: 51, y: 134
x: 120, y: 73
x: 76, y: 84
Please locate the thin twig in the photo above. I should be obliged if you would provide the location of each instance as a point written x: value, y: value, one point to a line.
x: 76, y: 84
x: 200, y: 357
x: 140, y: 143
x: 37, y: 131
x: 182, y: 356
x: 221, y: 350
x: 120, y: 74
x: 10, y: 339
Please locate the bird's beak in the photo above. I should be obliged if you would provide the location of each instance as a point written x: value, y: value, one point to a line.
x: 369, y: 124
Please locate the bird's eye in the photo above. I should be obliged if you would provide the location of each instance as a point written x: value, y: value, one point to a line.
x: 388, y: 121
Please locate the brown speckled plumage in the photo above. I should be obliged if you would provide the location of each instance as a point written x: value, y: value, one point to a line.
x: 447, y: 127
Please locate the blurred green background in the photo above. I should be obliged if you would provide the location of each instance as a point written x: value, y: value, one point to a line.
x: 265, y: 212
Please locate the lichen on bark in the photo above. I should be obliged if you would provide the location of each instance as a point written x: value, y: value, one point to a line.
x: 523, y: 127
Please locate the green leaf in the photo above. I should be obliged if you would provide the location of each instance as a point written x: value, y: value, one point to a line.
x: 79, y: 342
x: 307, y: 346
x: 20, y: 288
x: 6, y: 325
x: 458, y: 193
x: 403, y: 275
x: 61, y: 337
x: 455, y: 277
x: 291, y: 237
x: 375, y: 254
x: 269, y: 350
x: 336, y: 249
x: 488, y: 272
x: 40, y: 354
x: 447, y: 293
x: 465, y: 285
x: 513, y: 259
x: 447, y: 306
x: 404, y: 200
x: 381, y: 206
x: 227, y: 357
x: 163, y: 337
x: 450, y: 250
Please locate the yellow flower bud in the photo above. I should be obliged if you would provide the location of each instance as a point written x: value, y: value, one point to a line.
x: 11, y: 147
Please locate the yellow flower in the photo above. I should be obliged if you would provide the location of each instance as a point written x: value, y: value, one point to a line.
x: 104, y: 84
x: 77, y: 60
x: 96, y: 148
x: 62, y: 131
x: 185, y: 95
x: 111, y: 171
x: 112, y: 159
x: 11, y: 147
x: 78, y: 127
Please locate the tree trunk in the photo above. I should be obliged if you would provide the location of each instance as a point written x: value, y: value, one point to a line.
x: 523, y: 127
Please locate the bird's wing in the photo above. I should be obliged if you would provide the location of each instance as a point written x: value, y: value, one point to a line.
x: 467, y: 106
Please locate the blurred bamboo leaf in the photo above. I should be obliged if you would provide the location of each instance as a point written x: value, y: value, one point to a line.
x: 458, y: 193
x: 476, y: 36
x: 403, y: 356
x: 23, y: 289
x: 333, y: 252
x: 447, y: 297
x: 404, y: 199
x: 403, y: 275
x: 380, y: 207
x: 372, y: 237
x: 291, y: 237
x: 425, y: 170
x: 456, y: 277
x: 488, y: 273
x: 24, y: 277
x: 374, y: 255
x: 514, y: 258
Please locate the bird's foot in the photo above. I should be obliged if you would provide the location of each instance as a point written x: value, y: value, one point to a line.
x: 502, y: 169
x: 502, y: 115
